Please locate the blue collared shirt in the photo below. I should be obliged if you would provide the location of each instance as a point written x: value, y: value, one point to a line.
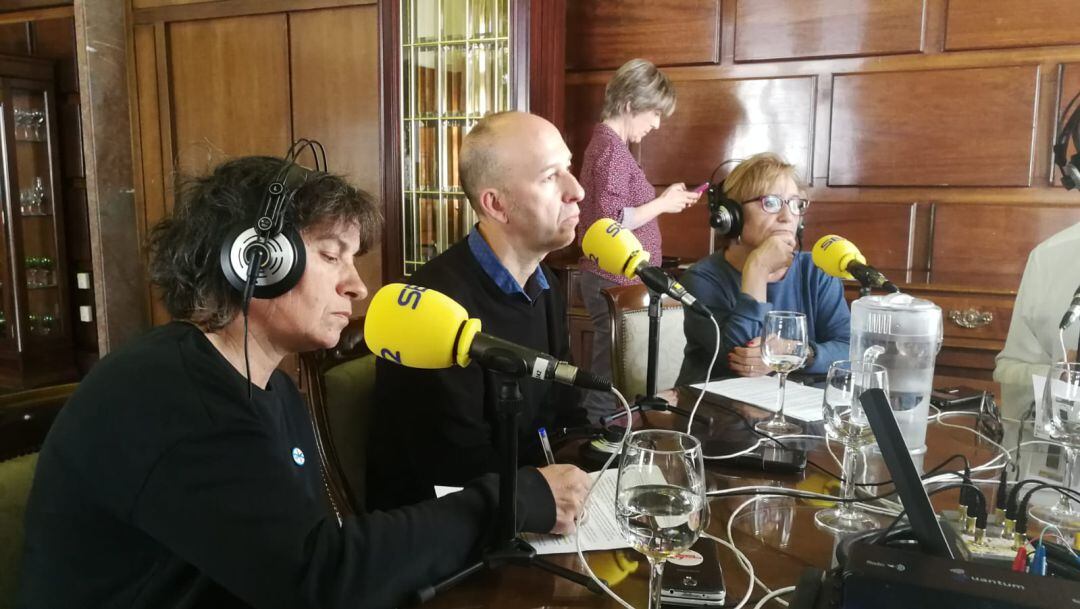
x: 483, y: 253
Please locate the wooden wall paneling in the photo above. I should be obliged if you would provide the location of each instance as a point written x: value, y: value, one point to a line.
x: 241, y: 105
x: 55, y: 39
x: 607, y: 33
x: 335, y: 76
x: 14, y: 39
x: 921, y: 238
x: 800, y: 29
x: 987, y: 24
x: 34, y: 14
x: 882, y: 232
x: 71, y: 151
x: 150, y: 166
x: 141, y: 4
x: 547, y: 60
x: 583, y: 106
x: 163, y: 78
x: 686, y: 235
x: 390, y: 138
x: 716, y: 120
x: 1069, y: 87
x: 727, y: 33
x: 967, y: 127
x: 168, y: 11
x: 976, y: 240
x: 934, y: 27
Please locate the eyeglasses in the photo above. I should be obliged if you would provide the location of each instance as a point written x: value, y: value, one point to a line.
x: 774, y: 203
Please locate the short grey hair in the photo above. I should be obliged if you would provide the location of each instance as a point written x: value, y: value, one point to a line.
x: 479, y: 166
x: 641, y: 86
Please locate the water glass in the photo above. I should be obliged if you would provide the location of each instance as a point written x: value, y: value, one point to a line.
x: 660, y: 497
x: 1061, y: 412
x: 784, y: 347
x: 846, y: 422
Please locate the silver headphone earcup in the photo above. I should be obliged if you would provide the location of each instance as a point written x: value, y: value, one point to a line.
x: 282, y: 267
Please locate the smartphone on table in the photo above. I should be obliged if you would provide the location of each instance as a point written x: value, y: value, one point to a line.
x: 693, y: 577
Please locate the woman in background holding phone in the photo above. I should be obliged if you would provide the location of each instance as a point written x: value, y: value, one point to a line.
x: 616, y: 187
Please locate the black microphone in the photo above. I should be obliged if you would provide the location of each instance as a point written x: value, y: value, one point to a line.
x: 1073, y: 312
x: 511, y: 358
x: 868, y: 275
x: 657, y: 280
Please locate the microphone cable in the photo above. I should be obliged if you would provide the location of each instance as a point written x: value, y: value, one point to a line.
x: 585, y: 503
x: 708, y: 378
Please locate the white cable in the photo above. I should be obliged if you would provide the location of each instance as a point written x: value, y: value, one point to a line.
x: 747, y: 566
x: 742, y: 560
x: 708, y: 374
x: 768, y: 597
x: 828, y: 447
x: 577, y: 519
x: 941, y: 415
x: 759, y: 442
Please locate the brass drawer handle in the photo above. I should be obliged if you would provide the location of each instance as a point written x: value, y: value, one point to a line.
x: 971, y: 318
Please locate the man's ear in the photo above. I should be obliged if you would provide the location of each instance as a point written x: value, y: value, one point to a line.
x: 494, y: 205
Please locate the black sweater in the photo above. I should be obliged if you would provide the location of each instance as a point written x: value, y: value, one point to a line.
x: 434, y: 426
x: 160, y: 485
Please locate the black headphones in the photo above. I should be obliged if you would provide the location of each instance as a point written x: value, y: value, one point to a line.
x: 725, y: 213
x: 1070, y: 130
x: 267, y: 259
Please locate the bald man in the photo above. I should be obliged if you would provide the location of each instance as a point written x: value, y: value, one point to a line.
x: 432, y: 427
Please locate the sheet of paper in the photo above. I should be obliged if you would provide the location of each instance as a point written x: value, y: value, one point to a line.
x: 600, y: 531
x: 442, y: 491
x: 800, y: 402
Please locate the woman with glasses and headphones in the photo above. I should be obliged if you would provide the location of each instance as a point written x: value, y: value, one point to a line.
x: 759, y: 211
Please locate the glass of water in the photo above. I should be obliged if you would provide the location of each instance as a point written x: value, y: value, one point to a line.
x: 784, y: 347
x: 1061, y: 412
x: 846, y: 422
x: 660, y: 497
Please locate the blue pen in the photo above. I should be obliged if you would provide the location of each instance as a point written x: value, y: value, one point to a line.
x: 547, y: 446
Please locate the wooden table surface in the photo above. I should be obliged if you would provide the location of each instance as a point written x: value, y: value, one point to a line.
x: 778, y: 535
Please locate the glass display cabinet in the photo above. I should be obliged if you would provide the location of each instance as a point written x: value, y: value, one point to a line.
x: 457, y: 65
x: 35, y: 326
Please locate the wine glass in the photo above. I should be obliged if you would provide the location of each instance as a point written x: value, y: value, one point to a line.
x: 783, y: 348
x: 660, y: 497
x: 845, y: 421
x: 1061, y: 412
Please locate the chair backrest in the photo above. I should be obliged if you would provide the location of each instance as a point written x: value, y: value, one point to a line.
x: 628, y: 307
x: 25, y: 418
x: 340, y: 383
x: 16, y: 476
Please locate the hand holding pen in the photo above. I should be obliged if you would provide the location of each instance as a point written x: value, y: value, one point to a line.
x: 545, y: 443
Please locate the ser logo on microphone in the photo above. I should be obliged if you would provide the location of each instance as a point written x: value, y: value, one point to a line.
x: 410, y: 296
x: 825, y: 243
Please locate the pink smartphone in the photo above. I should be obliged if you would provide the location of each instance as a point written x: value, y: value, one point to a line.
x: 702, y: 188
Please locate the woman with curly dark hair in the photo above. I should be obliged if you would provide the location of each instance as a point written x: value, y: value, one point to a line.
x: 183, y: 472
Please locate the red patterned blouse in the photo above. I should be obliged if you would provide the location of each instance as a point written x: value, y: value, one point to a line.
x: 613, y: 181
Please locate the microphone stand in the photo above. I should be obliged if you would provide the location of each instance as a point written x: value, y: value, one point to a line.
x: 503, y: 391
x: 651, y: 401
